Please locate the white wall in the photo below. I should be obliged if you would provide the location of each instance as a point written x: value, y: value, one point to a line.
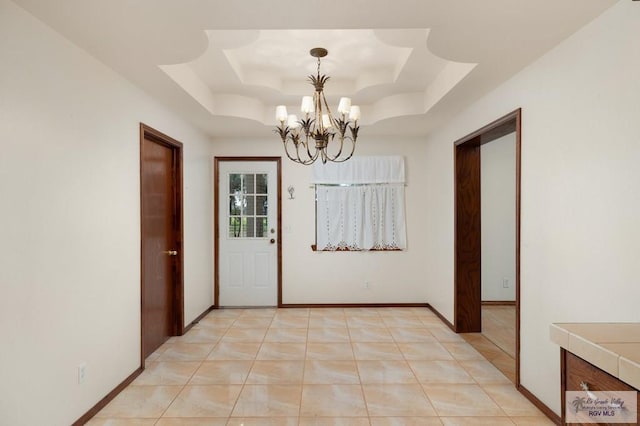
x: 498, y: 218
x: 322, y: 277
x: 70, y: 228
x: 580, y: 198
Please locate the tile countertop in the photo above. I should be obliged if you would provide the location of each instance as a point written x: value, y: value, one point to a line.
x: 612, y: 347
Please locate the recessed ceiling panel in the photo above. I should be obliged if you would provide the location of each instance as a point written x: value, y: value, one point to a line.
x: 387, y: 72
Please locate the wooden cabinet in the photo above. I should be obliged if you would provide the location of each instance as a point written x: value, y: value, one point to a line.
x: 575, y: 371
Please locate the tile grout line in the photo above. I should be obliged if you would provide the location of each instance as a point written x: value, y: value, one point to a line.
x: 188, y: 380
x: 420, y: 384
x: 218, y: 343
x: 304, y: 367
x: 364, y: 396
x: 244, y: 383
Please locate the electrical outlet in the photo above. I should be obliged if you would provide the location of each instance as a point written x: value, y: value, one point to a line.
x: 505, y: 282
x: 366, y: 285
x: 82, y: 372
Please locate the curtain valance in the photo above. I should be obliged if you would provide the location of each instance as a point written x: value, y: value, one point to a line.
x: 361, y: 170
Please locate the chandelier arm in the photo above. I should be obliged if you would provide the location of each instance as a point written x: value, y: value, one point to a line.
x: 310, y: 158
x: 354, y: 133
x: 300, y: 160
x: 286, y: 150
x: 323, y: 157
x: 297, y: 158
x: 339, y: 150
x: 342, y: 125
x: 306, y: 126
x: 353, y: 148
x: 287, y: 135
x: 352, y: 141
x: 314, y: 157
x: 307, y: 145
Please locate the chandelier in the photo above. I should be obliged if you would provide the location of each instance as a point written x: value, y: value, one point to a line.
x: 319, y: 133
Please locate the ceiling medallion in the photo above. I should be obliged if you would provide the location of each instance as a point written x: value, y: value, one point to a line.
x: 319, y: 130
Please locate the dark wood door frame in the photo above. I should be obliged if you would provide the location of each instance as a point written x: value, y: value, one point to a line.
x: 149, y: 133
x: 467, y: 241
x: 216, y: 221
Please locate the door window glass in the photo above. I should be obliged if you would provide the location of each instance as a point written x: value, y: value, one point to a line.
x: 248, y: 205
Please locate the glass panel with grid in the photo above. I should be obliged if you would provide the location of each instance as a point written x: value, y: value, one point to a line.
x: 248, y: 207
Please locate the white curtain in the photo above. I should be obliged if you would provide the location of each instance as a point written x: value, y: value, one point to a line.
x: 360, y: 204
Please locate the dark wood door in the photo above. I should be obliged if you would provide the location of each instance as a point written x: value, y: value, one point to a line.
x: 159, y: 245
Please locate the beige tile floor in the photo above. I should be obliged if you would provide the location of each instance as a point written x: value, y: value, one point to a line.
x: 497, y: 341
x: 499, y: 326
x: 319, y: 367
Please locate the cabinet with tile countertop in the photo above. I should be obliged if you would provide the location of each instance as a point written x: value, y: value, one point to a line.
x: 598, y: 357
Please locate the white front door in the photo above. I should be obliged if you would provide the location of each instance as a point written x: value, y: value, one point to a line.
x: 248, y: 246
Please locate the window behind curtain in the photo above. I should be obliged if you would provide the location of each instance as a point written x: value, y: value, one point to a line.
x: 360, y: 204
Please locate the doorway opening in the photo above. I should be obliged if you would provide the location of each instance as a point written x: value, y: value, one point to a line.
x: 161, y: 228
x: 468, y: 306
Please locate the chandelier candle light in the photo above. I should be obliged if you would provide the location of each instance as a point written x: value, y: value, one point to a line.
x: 319, y: 124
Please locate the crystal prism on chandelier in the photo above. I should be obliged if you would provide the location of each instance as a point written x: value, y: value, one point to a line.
x: 319, y: 134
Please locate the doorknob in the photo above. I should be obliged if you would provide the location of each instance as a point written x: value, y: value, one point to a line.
x: 171, y: 252
x: 272, y: 241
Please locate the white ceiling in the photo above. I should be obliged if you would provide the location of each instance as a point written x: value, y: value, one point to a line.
x: 224, y: 65
x: 388, y: 73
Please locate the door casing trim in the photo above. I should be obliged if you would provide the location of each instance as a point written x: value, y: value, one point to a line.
x: 178, y: 290
x: 216, y: 221
x: 467, y: 303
